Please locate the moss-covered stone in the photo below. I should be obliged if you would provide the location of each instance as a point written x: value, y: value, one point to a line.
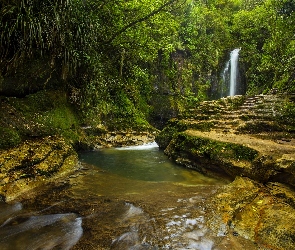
x: 213, y: 149
x: 41, y: 114
x: 245, y: 137
x: 253, y: 127
x: 251, y: 210
x: 8, y: 138
x: 261, y: 148
x: 32, y: 162
x: 214, y: 157
x: 165, y: 136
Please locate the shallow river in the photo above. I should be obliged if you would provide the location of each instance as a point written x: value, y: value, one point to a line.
x: 122, y: 198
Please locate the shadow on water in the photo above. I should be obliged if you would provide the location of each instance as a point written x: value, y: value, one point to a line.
x: 122, y: 198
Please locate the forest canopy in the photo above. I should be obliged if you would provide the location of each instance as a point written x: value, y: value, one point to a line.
x: 117, y: 57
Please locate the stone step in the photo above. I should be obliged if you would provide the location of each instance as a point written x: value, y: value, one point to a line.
x: 261, y: 107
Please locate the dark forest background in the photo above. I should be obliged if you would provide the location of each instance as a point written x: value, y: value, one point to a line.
x: 141, y: 62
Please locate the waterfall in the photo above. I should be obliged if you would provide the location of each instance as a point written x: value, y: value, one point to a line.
x: 230, y: 76
x: 234, y: 58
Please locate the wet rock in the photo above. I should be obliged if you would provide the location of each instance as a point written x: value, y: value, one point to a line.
x: 121, y: 139
x: 234, y: 155
x: 285, y: 193
x: 236, y: 138
x: 33, y: 163
x: 106, y: 138
x: 255, y: 212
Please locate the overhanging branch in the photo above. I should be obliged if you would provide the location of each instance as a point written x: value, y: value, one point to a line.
x: 116, y: 34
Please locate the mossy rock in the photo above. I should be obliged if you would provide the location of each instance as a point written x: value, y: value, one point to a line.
x: 165, y: 136
x: 255, y: 127
x: 40, y: 114
x: 202, y: 126
x: 212, y: 149
x: 236, y: 101
x: 34, y: 162
x: 9, y: 138
x: 255, y: 212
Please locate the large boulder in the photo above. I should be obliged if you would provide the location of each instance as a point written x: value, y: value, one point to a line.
x: 33, y: 163
x: 263, y: 214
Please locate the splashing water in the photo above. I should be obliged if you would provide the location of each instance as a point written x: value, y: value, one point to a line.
x: 145, y: 146
x: 39, y: 231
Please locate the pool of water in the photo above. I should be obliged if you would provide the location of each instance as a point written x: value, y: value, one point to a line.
x: 144, y: 163
x: 123, y: 198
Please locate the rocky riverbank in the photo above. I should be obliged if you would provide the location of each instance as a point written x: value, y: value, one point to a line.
x: 34, y: 163
x: 40, y: 135
x: 38, y: 161
x: 251, y: 140
x: 246, y: 139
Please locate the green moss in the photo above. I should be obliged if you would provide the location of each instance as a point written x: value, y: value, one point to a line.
x: 286, y: 113
x: 262, y: 126
x: 8, y: 138
x: 44, y: 113
x: 245, y: 117
x: 202, y: 126
x: 60, y: 118
x: 38, y: 102
x: 165, y: 136
x: 167, y: 106
x: 212, y: 149
x: 118, y: 112
x: 236, y: 101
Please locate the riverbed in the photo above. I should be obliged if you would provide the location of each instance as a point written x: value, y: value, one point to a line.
x: 121, y: 198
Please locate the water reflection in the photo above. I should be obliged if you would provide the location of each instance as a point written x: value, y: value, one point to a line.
x: 144, y: 163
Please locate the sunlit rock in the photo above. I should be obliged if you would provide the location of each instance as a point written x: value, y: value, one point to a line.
x: 33, y: 163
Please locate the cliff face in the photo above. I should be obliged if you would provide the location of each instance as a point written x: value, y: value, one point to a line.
x: 251, y: 140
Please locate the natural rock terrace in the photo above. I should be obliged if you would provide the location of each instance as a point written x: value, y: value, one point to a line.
x: 237, y: 136
x: 251, y: 140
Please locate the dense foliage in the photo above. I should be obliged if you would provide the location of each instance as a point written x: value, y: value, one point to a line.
x: 136, y: 60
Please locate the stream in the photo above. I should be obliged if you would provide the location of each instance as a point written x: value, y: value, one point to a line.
x: 121, y: 198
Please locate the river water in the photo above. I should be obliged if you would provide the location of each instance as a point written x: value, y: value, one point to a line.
x: 122, y: 198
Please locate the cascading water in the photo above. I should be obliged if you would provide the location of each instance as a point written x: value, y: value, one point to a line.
x: 234, y: 58
x: 229, y: 75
